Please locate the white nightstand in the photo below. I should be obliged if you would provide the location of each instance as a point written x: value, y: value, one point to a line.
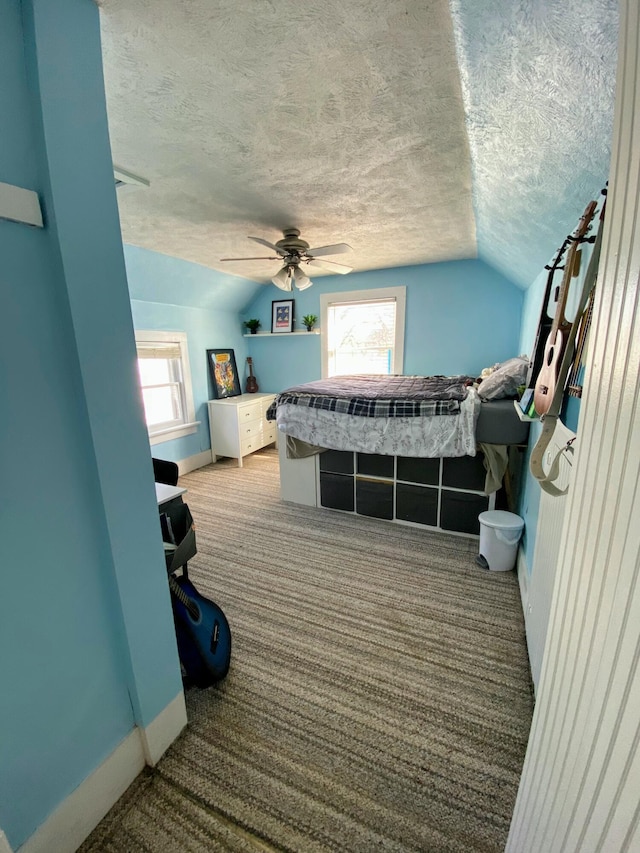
x: 238, y: 425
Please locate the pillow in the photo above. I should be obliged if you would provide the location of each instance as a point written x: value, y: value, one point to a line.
x: 505, y: 379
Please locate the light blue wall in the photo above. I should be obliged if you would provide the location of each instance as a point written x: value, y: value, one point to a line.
x: 531, y: 312
x: 461, y: 316
x: 82, y: 660
x: 169, y: 294
x: 529, y: 504
x: 154, y: 277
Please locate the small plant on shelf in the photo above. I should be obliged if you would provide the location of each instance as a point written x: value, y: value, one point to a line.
x: 253, y: 325
x: 309, y: 320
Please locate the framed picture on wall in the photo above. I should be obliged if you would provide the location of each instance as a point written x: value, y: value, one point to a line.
x: 282, y: 316
x: 224, y: 373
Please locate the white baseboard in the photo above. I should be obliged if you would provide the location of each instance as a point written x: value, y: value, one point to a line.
x: 68, y: 826
x: 523, y: 583
x: 75, y: 818
x: 4, y: 844
x: 523, y: 580
x: 158, y: 736
x: 198, y: 460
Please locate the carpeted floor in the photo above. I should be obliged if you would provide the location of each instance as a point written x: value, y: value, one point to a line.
x: 378, y: 697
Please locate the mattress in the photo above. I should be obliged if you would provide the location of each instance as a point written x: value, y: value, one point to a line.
x: 396, y: 415
x: 427, y: 436
x: 498, y: 423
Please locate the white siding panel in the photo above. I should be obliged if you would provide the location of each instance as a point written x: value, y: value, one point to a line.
x: 545, y: 559
x: 580, y: 786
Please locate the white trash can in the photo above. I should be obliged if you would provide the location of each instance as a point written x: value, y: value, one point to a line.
x: 500, y: 533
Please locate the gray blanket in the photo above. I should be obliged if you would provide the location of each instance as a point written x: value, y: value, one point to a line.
x: 380, y: 387
x: 378, y: 396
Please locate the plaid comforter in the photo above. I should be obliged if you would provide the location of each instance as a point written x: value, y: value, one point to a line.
x: 379, y: 396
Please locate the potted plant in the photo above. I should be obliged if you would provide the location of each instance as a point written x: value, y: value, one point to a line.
x: 253, y: 325
x: 309, y: 320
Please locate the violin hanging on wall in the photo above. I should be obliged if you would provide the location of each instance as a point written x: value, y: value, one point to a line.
x: 252, y: 382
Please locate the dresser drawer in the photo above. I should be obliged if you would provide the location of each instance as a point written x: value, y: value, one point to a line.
x: 250, y: 429
x: 248, y: 445
x: 250, y: 412
x: 269, y: 433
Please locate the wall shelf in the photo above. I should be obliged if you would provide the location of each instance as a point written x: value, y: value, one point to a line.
x: 522, y: 415
x: 282, y: 334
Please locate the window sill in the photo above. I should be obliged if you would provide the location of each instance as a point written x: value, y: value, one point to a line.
x: 173, y: 432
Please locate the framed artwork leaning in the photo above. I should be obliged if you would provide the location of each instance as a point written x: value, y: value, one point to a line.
x: 282, y: 316
x: 224, y: 373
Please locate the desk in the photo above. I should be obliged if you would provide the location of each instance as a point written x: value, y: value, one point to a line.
x: 166, y: 493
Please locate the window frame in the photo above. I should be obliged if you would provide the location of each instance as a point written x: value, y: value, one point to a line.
x: 399, y: 294
x: 190, y: 424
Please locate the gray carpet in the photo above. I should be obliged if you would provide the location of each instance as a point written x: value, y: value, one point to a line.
x: 378, y: 697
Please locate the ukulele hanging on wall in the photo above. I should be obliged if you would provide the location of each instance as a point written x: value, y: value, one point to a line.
x: 252, y: 382
x: 545, y: 386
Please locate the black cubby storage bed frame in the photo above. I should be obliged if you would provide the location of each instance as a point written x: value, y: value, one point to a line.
x: 445, y: 493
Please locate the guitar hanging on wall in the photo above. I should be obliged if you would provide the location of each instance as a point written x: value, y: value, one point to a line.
x: 252, y: 382
x: 545, y: 322
x: 574, y: 382
x: 555, y: 345
x: 574, y: 386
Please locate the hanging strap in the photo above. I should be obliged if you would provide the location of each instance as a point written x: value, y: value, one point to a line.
x: 550, y: 419
x: 537, y: 456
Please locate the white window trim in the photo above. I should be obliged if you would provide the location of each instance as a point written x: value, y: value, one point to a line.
x: 397, y: 293
x: 162, y: 435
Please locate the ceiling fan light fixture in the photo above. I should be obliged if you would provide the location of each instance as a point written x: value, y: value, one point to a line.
x: 302, y: 281
x: 292, y: 252
x: 282, y: 279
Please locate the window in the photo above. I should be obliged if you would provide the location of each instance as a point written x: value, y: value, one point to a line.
x: 165, y: 379
x: 363, y: 331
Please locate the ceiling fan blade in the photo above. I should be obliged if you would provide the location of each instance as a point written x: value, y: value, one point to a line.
x: 335, y: 249
x: 250, y: 259
x: 330, y: 265
x: 269, y: 245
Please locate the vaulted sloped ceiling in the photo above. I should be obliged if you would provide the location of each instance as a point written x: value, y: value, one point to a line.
x: 415, y: 131
x: 538, y: 78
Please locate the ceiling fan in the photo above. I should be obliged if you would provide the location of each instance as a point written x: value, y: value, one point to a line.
x: 293, y: 251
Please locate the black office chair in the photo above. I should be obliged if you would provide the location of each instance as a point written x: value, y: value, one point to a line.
x: 165, y: 472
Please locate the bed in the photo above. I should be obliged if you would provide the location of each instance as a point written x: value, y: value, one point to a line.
x: 410, y: 449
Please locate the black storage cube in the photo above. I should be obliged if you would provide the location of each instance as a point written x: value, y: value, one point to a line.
x: 418, y: 470
x: 460, y: 512
x: 464, y: 472
x: 417, y: 503
x: 177, y: 529
x: 337, y: 461
x: 374, y: 498
x: 375, y: 465
x: 336, y: 491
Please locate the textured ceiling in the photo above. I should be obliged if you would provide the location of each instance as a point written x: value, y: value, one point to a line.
x: 348, y: 121
x: 539, y: 82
